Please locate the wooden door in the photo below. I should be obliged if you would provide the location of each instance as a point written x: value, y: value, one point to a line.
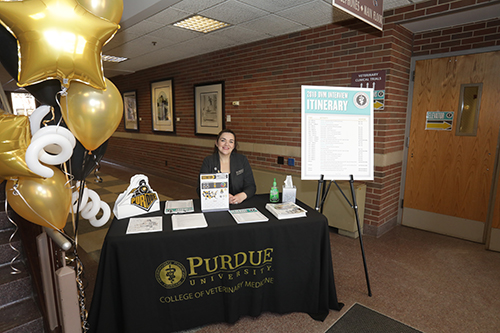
x: 449, y: 176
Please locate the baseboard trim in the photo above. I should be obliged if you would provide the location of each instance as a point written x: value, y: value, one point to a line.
x: 495, y: 240
x: 378, y: 231
x: 444, y: 224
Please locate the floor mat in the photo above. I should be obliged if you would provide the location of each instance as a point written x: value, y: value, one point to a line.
x: 362, y: 319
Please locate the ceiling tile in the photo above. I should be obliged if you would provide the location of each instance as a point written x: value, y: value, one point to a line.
x: 168, y: 16
x: 239, y: 34
x: 311, y: 14
x: 144, y: 27
x: 175, y: 34
x: 233, y: 12
x: 195, y: 6
x: 120, y: 38
x: 273, y: 25
x: 207, y: 43
x: 275, y: 5
x: 140, y: 46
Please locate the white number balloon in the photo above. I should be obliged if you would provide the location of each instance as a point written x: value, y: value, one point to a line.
x: 36, y: 153
x: 90, y: 208
x: 56, y: 140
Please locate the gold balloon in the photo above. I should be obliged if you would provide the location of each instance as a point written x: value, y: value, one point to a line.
x: 49, y: 199
x: 109, y: 9
x: 57, y: 39
x: 15, y: 137
x: 92, y: 115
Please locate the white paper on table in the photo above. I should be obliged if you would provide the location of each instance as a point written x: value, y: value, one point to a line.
x: 248, y: 215
x: 138, y: 225
x: 189, y: 221
x: 179, y: 206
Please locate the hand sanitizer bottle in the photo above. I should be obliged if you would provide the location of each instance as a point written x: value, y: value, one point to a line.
x: 274, y: 195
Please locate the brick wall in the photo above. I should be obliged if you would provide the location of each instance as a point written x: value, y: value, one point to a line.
x: 467, y: 37
x: 266, y: 77
x: 451, y: 39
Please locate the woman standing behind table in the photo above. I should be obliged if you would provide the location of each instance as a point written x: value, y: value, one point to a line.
x: 226, y: 159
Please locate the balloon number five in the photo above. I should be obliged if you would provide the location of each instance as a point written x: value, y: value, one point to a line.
x: 90, y: 208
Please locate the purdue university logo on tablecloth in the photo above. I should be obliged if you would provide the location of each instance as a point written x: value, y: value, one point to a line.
x: 170, y: 274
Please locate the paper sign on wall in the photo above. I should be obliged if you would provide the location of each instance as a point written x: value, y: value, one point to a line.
x: 439, y: 120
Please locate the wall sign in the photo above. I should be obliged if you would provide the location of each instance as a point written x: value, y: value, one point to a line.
x: 439, y: 120
x: 369, y: 11
x: 375, y: 80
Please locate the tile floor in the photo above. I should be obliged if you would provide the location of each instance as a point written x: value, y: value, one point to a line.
x: 90, y: 238
x: 431, y: 282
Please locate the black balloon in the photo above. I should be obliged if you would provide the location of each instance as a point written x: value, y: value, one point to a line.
x: 44, y: 92
x: 82, y: 163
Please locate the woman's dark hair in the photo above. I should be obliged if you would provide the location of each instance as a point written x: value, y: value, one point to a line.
x: 235, y: 150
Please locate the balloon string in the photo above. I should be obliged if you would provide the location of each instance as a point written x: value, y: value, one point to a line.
x: 45, y: 122
x: 63, y: 92
x: 81, y: 291
x: 75, y: 225
x: 16, y: 192
x: 14, y: 270
x: 69, y: 180
x: 69, y: 176
x: 98, y: 179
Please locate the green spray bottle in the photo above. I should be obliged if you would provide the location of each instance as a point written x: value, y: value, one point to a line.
x: 274, y: 195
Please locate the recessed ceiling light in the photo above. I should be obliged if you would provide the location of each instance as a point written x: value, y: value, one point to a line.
x: 200, y: 24
x: 110, y: 58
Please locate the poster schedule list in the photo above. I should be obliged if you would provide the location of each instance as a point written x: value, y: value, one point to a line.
x: 337, y: 133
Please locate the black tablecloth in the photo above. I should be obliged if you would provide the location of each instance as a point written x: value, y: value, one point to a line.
x: 219, y: 273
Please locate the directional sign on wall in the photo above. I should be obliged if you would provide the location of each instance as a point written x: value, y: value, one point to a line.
x: 369, y: 11
x: 439, y: 120
x: 374, y: 80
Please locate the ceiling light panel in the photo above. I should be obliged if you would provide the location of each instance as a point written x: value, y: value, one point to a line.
x: 110, y: 58
x: 201, y: 24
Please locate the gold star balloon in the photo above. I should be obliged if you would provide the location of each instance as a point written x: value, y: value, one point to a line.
x: 15, y: 137
x: 109, y: 9
x: 57, y: 39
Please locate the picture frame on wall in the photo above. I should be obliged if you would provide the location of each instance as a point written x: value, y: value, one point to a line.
x: 162, y: 106
x: 130, y: 117
x: 209, y: 108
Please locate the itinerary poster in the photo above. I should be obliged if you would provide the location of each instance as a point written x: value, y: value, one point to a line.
x: 337, y: 133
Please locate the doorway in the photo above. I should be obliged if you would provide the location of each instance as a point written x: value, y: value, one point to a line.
x: 452, y: 145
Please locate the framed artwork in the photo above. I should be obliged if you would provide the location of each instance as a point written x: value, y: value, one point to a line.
x: 162, y: 106
x: 130, y: 117
x: 209, y: 108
